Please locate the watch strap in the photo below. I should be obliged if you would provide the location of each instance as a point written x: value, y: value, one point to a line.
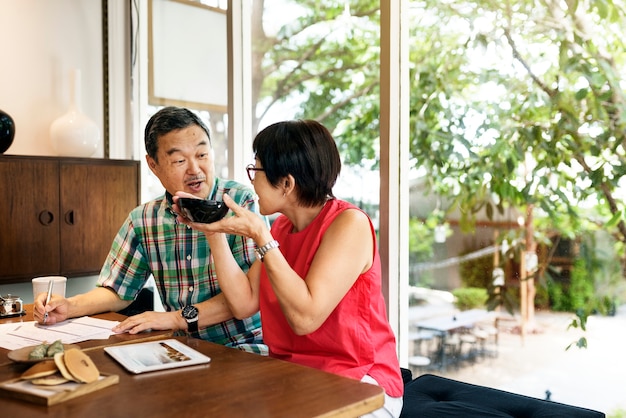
x: 261, y: 251
x: 192, y: 325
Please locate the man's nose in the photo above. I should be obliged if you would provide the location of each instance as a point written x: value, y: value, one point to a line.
x: 193, y: 167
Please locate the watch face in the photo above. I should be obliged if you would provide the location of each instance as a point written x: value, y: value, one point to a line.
x: 190, y: 312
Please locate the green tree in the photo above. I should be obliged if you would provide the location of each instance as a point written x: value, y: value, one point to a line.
x: 326, y: 60
x: 520, y: 104
x: 525, y: 109
x: 514, y: 103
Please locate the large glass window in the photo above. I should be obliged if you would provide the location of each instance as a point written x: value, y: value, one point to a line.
x: 320, y: 60
x: 517, y: 204
x: 516, y: 156
x: 187, y: 68
x: 515, y: 162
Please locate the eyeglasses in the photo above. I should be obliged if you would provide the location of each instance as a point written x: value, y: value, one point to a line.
x: 251, y: 170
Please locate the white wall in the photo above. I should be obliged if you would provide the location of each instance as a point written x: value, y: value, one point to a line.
x: 42, y: 41
x: 74, y: 286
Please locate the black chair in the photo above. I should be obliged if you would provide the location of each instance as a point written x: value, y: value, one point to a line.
x: 142, y: 303
x: 430, y: 396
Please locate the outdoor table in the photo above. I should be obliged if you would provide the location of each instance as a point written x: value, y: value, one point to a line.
x: 444, y: 325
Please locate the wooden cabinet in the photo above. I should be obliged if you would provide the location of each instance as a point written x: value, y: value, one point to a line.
x: 60, y: 215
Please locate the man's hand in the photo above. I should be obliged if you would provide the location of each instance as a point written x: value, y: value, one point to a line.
x: 151, y: 320
x: 57, y: 309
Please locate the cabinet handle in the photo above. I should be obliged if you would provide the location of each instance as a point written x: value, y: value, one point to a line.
x: 69, y: 217
x: 46, y: 217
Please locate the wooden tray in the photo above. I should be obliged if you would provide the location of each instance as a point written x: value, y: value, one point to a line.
x: 51, y: 395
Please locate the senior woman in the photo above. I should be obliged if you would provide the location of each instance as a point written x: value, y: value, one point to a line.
x: 317, y: 278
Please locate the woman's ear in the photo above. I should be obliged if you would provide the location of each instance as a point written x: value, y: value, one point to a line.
x: 289, y: 183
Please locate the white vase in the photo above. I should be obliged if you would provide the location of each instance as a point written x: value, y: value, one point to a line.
x: 74, y: 134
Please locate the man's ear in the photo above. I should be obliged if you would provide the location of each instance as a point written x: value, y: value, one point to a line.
x: 151, y: 163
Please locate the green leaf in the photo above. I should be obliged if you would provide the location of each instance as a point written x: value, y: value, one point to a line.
x: 489, y: 211
x: 581, y: 94
x: 615, y: 219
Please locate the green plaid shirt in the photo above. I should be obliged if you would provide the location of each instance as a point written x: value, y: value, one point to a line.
x: 152, y: 242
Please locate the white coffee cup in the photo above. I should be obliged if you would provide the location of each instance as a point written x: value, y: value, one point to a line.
x: 40, y: 285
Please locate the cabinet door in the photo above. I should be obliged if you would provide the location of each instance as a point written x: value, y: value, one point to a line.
x: 96, y: 198
x: 29, y: 218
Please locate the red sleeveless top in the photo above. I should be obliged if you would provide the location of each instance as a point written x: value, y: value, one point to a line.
x: 356, y: 339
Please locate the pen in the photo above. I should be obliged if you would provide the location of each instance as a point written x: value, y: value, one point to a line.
x: 50, y: 284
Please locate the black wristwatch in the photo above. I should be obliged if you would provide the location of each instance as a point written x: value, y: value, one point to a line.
x: 190, y: 313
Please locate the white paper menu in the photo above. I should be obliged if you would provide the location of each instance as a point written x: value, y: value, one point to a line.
x: 23, y: 334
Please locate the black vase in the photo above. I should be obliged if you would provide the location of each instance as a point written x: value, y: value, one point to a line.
x: 7, y: 131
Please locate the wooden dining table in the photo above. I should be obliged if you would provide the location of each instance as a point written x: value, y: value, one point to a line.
x: 234, y: 384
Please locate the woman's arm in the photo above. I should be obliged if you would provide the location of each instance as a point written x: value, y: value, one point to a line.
x: 241, y: 291
x: 346, y: 251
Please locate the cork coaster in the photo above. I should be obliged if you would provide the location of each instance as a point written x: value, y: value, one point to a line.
x: 41, y: 369
x: 52, y: 380
x: 60, y: 363
x: 80, y: 366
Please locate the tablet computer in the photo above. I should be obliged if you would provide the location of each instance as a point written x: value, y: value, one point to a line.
x: 155, y: 355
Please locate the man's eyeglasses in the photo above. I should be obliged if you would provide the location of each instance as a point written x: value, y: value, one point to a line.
x: 251, y: 170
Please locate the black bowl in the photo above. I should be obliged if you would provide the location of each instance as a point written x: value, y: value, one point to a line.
x: 200, y: 210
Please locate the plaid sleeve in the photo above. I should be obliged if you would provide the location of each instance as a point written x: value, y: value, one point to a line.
x: 124, y: 264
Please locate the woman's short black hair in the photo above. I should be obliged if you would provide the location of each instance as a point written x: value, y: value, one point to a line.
x: 166, y: 120
x: 306, y: 150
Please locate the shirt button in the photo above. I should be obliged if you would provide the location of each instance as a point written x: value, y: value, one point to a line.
x: 190, y: 289
x: 188, y: 257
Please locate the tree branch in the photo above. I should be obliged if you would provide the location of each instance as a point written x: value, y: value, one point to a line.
x: 342, y: 103
x: 516, y: 54
x: 605, y: 188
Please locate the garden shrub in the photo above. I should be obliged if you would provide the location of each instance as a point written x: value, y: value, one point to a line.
x: 477, y: 272
x: 466, y: 298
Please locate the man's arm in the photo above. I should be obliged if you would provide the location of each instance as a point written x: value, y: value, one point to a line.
x: 211, y: 312
x: 97, y: 300
x: 100, y: 299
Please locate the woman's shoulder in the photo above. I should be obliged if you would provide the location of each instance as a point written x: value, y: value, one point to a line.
x: 334, y: 206
x: 347, y: 212
x: 343, y: 206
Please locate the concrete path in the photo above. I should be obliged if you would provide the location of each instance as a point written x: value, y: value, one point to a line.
x: 593, y: 378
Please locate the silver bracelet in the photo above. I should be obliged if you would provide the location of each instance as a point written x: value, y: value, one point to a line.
x: 260, y: 252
